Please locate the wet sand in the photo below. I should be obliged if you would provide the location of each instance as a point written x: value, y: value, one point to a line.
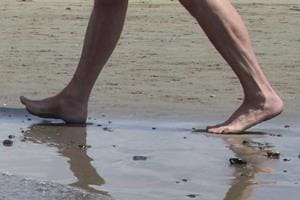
x: 163, y: 80
x: 138, y: 159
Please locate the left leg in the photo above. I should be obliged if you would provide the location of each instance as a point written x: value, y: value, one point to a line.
x: 226, y: 30
x: 103, y: 32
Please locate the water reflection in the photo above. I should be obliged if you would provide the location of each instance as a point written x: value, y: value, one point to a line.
x: 245, y: 176
x: 71, y: 143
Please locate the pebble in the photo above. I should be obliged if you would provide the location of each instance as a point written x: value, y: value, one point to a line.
x: 237, y: 161
x: 107, y: 129
x: 139, y: 158
x: 8, y: 143
x: 286, y: 126
x: 11, y: 136
x: 23, y: 139
x: 275, y: 135
x: 273, y: 154
x: 192, y: 195
x: 245, y: 174
x: 153, y: 128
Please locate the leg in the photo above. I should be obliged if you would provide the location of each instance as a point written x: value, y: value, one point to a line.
x: 103, y: 32
x: 226, y: 30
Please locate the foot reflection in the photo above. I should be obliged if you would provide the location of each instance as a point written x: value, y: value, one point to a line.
x: 245, y: 176
x: 71, y: 143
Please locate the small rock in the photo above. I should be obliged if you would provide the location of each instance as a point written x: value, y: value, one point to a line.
x: 184, y: 180
x: 51, y: 145
x: 237, y: 161
x: 245, y: 142
x: 153, y: 128
x: 107, y: 129
x: 68, y: 8
x: 139, y: 158
x: 99, y: 125
x: 8, y: 143
x: 285, y: 171
x: 23, y: 139
x: 286, y: 126
x: 11, y: 136
x: 273, y: 154
x: 192, y: 195
x: 245, y: 174
x: 275, y: 135
x: 286, y: 160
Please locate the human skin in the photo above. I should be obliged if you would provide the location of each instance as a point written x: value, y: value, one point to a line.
x: 223, y: 26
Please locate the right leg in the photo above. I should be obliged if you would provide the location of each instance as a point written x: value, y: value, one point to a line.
x: 228, y: 33
x: 103, y: 32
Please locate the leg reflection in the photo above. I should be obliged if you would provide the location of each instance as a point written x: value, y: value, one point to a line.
x: 245, y: 179
x: 71, y: 143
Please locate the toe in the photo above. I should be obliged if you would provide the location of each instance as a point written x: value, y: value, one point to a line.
x: 216, y: 130
x: 23, y: 100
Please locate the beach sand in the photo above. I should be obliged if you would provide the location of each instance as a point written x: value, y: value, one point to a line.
x: 163, y: 80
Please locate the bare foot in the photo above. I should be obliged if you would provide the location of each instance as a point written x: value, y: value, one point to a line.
x: 57, y: 107
x: 248, y: 115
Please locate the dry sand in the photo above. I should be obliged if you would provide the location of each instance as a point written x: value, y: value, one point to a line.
x: 163, y: 59
x: 164, y: 74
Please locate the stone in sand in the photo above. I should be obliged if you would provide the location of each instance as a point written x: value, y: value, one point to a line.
x: 137, y: 158
x: 8, y: 143
x: 237, y: 161
x: 273, y: 154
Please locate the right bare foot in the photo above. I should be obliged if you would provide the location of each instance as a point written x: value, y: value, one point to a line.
x: 249, y: 114
x: 57, y: 107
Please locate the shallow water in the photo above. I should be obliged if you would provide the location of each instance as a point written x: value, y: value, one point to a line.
x: 55, y: 161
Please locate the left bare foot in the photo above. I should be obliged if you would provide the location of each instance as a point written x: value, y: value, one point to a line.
x: 248, y: 115
x: 57, y: 107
